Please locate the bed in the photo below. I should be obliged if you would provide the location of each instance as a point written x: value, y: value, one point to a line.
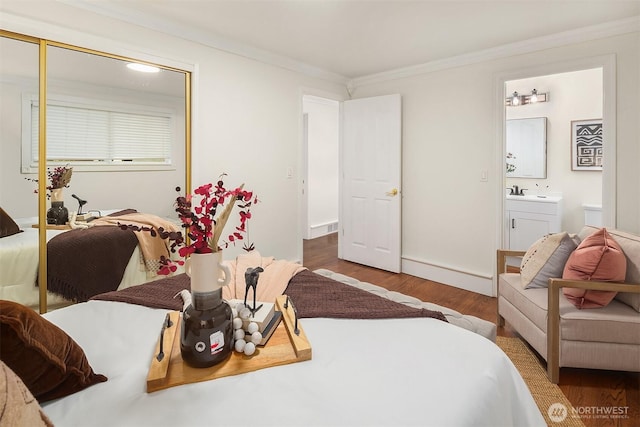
x: 67, y: 271
x: 377, y: 371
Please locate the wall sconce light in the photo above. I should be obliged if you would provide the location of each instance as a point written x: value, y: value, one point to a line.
x: 517, y: 100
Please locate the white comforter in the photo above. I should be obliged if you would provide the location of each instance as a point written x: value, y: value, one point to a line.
x: 397, y: 372
x: 19, y: 265
x: 19, y: 257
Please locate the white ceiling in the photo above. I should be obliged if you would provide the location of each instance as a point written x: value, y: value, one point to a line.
x: 359, y: 38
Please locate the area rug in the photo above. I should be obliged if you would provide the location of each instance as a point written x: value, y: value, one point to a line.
x: 553, y: 404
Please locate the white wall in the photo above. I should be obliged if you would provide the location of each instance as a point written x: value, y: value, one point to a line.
x: 572, y: 96
x: 451, y: 219
x: 323, y: 118
x: 247, y: 122
x: 247, y: 116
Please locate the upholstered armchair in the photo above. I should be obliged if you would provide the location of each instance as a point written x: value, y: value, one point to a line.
x: 566, y: 336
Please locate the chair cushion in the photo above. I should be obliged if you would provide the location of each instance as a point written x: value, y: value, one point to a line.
x: 599, y: 257
x: 546, y: 258
x: 49, y: 362
x: 615, y: 323
x: 530, y: 302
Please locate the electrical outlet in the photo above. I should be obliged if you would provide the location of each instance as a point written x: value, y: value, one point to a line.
x: 484, y: 175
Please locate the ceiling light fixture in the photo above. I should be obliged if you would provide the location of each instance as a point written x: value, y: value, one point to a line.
x: 143, y: 68
x: 517, y: 100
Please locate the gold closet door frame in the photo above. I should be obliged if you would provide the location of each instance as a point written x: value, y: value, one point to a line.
x: 42, y: 138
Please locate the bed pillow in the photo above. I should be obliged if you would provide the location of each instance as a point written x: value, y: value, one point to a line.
x: 546, y: 258
x: 49, y: 362
x: 18, y: 407
x: 599, y: 257
x: 8, y: 226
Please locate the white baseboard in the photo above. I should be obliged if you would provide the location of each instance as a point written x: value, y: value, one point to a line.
x: 320, y: 230
x: 469, y: 281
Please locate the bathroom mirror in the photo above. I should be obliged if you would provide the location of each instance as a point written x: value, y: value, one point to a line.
x: 526, y: 146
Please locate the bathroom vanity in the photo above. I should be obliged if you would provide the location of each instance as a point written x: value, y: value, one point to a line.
x: 529, y: 218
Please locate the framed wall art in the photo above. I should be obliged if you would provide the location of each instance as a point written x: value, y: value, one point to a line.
x: 586, y: 145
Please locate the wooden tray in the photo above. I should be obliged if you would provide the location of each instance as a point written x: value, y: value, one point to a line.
x: 53, y: 226
x: 283, y: 347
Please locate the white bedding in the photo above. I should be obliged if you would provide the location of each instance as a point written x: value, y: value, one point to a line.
x: 19, y: 267
x: 396, y: 372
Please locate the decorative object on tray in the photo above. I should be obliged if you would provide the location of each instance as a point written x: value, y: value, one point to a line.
x: 284, y: 347
x: 201, y: 226
x: 253, y: 325
x: 81, y: 203
x: 57, y: 213
x: 206, y: 336
x: 207, y: 331
x: 59, y: 178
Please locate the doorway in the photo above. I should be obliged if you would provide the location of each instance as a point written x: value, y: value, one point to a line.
x: 320, y: 184
x: 571, y: 97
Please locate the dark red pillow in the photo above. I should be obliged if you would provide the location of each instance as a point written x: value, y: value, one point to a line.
x: 599, y: 257
x: 49, y: 362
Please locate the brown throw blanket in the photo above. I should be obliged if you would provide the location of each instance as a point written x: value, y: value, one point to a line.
x: 313, y: 295
x: 86, y: 262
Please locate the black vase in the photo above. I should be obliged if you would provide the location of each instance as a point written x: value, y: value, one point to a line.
x: 206, y: 336
x: 57, y: 214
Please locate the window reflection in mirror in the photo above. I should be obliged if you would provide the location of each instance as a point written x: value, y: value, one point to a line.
x: 122, y: 131
x: 526, y: 148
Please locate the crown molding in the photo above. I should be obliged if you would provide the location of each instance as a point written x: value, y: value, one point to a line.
x: 125, y: 14
x: 595, y: 32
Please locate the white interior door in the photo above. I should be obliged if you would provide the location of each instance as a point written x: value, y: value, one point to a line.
x: 371, y: 179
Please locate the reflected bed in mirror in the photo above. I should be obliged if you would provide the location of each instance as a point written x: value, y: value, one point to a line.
x: 526, y: 148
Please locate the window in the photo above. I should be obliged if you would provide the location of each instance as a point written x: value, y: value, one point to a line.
x: 99, y: 136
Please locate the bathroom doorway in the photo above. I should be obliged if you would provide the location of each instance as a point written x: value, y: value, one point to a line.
x: 572, y: 96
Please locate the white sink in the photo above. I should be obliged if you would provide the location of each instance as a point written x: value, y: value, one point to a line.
x: 535, y: 198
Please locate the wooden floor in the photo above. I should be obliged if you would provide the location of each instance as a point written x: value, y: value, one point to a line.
x: 587, y: 390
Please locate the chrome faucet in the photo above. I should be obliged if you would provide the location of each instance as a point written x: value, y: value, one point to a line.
x: 515, y: 191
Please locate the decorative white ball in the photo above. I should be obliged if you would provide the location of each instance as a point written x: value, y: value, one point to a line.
x: 256, y: 337
x: 239, y: 306
x: 245, y: 313
x: 253, y: 326
x: 234, y: 312
x: 249, y: 348
x: 237, y: 323
x: 239, y: 334
x: 239, y: 345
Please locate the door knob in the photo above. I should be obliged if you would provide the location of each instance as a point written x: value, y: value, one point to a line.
x: 393, y: 192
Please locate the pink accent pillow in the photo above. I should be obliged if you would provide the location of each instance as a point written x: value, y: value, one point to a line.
x: 600, y: 258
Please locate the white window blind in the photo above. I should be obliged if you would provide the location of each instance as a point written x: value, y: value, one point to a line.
x: 103, y: 136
